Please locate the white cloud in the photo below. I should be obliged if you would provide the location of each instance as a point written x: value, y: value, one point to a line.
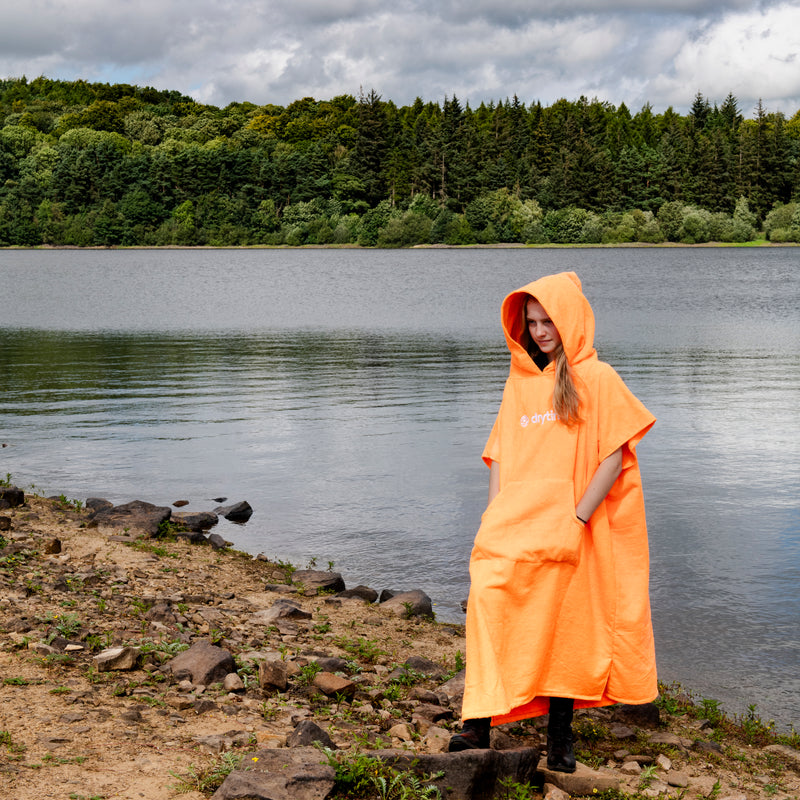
x: 632, y: 51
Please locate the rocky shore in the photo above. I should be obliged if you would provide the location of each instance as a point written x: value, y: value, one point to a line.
x: 142, y: 657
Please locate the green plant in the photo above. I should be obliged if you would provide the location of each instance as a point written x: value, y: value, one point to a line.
x: 515, y: 791
x: 60, y: 690
x: 647, y: 775
x: 308, y: 673
x: 68, y: 625
x: 65, y: 503
x: 207, y: 779
x: 753, y: 728
x: 355, y: 772
x: 364, y: 649
x: 406, y: 786
x: 6, y: 481
x: 711, y: 710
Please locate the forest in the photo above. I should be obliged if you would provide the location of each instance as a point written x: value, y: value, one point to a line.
x: 98, y: 164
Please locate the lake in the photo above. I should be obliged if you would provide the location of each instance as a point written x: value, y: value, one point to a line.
x: 347, y: 395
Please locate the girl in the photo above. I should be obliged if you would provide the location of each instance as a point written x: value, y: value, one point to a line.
x: 559, y: 612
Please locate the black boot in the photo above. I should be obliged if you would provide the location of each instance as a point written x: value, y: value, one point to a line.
x: 560, y: 755
x: 474, y: 736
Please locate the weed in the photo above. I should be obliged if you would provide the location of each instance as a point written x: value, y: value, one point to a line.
x: 6, y: 481
x: 711, y: 710
x: 60, y: 690
x: 589, y: 730
x: 755, y: 731
x: 65, y: 503
x: 515, y: 791
x: 364, y: 649
x: 15, y: 682
x: 308, y: 673
x: 647, y: 776
x: 322, y: 627
x: 406, y: 786
x: 207, y: 779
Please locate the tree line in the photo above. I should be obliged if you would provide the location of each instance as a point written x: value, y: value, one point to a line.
x: 88, y: 164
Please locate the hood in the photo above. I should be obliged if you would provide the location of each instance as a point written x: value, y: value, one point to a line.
x: 562, y: 299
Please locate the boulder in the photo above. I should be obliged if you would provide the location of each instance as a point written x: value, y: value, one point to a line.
x: 584, y: 781
x: 204, y: 663
x: 298, y: 773
x: 468, y: 775
x: 281, y: 609
x: 273, y: 676
x: 333, y: 685
x: 116, y: 658
x: 363, y: 592
x: 95, y: 504
x: 316, y: 580
x: 195, y: 521
x: 306, y: 733
x: 238, y: 512
x: 410, y: 604
x: 11, y: 496
x: 137, y: 518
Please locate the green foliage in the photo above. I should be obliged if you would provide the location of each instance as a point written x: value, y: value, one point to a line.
x: 209, y: 778
x: 118, y: 165
x: 362, y: 648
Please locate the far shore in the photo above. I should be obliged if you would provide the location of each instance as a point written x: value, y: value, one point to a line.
x: 351, y: 246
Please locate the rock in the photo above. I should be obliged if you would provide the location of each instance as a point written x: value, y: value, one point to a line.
x: 333, y: 685
x: 622, y: 732
x: 273, y: 676
x: 51, y: 546
x: 180, y: 503
x: 233, y: 683
x: 583, y: 781
x: 421, y: 665
x: 238, y: 512
x: 708, y: 747
x: 281, y: 609
x: 678, y: 779
x: 436, y: 740
x: 217, y: 542
x: 306, y: 733
x: 116, y: 658
x: 332, y: 663
x: 161, y: 612
x: 645, y: 715
x: 664, y: 762
x: 137, y: 517
x: 552, y: 792
x: 195, y: 521
x: 734, y: 796
x: 5, y: 523
x: 631, y: 768
x: 12, y: 495
x: 285, y: 774
x: 316, y: 580
x: 410, y: 604
x: 203, y: 662
x: 469, y: 774
x: 95, y: 504
x: 431, y: 713
x: 364, y: 592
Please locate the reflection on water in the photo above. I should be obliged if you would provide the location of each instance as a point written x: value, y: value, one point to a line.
x: 348, y: 396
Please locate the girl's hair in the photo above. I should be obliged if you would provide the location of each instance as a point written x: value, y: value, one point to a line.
x: 566, y: 400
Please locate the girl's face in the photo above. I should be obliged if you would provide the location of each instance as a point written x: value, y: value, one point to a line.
x: 542, y: 329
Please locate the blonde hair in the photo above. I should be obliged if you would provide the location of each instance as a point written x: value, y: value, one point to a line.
x: 566, y: 400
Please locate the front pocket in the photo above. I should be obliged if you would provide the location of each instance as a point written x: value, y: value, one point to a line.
x: 531, y: 521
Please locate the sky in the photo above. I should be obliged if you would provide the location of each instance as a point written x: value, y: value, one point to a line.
x: 263, y: 51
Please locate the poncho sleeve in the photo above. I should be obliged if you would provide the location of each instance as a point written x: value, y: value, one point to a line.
x: 492, y: 450
x: 622, y: 419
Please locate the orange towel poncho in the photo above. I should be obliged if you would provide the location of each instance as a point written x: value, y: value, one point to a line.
x: 556, y: 608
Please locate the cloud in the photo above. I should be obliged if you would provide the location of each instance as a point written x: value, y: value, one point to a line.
x: 632, y: 51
